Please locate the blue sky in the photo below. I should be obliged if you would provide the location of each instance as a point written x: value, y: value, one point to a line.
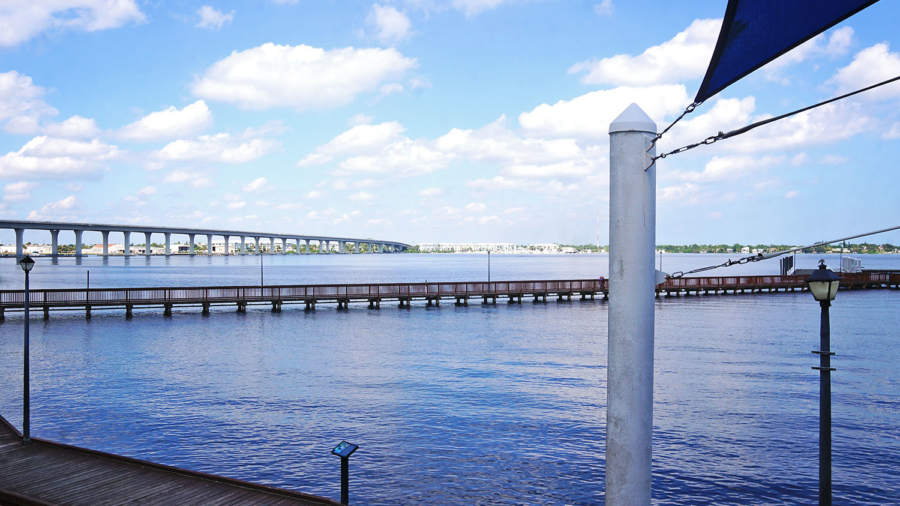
x: 432, y: 120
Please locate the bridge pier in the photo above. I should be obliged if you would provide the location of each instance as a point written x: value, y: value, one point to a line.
x: 105, y: 234
x: 227, y: 250
x: 127, y: 243
x: 243, y: 245
x: 148, y: 251
x: 20, y: 242
x: 168, y: 236
x: 205, y: 311
x: 129, y: 311
x: 191, y: 241
x: 209, y: 244
x: 54, y: 243
x: 167, y: 309
x: 311, y: 305
x: 78, y: 234
x: 276, y: 306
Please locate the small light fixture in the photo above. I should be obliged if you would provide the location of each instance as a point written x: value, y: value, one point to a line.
x: 823, y: 283
x: 26, y: 263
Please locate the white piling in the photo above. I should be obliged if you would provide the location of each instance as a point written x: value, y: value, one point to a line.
x: 632, y: 241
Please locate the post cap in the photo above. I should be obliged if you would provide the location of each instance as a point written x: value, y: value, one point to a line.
x: 633, y: 119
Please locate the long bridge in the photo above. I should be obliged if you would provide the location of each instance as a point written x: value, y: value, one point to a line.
x: 240, y: 297
x: 324, y: 243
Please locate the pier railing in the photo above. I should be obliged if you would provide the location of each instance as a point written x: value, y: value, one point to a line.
x: 215, y: 294
x: 377, y: 291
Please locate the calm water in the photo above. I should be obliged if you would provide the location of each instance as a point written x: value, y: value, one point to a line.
x: 484, y: 404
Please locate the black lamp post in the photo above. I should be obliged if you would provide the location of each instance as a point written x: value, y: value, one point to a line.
x: 27, y: 264
x: 344, y: 450
x: 824, y: 283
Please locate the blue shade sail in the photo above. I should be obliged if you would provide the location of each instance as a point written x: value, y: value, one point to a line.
x: 755, y: 32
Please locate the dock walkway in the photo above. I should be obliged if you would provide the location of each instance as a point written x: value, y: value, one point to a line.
x: 240, y: 297
x: 46, y: 473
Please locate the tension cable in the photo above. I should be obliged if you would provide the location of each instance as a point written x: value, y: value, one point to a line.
x: 765, y: 256
x: 725, y: 135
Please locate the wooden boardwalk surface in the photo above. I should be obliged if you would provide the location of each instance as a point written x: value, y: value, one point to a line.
x: 49, y: 473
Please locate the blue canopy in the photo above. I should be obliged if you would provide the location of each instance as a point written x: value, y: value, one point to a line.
x: 755, y: 32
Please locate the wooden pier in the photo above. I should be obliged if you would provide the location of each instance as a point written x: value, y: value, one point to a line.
x: 461, y: 293
x: 46, y: 473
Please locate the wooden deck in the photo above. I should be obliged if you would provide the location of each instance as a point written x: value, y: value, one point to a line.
x: 48, y: 473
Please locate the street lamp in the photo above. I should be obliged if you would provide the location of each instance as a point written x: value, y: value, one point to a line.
x: 27, y: 264
x: 824, y: 283
x: 344, y: 450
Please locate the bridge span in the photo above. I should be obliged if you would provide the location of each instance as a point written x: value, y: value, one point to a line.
x: 325, y: 244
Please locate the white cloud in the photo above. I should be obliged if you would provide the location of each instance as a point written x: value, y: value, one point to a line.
x: 23, y: 20
x: 870, y: 66
x: 476, y: 207
x: 833, y: 160
x: 236, y: 205
x: 360, y: 119
x: 568, y: 168
x: 258, y: 185
x: 20, y: 187
x: 301, y: 77
x: 431, y: 192
x: 390, y: 25
x: 604, y: 8
x: 195, y: 179
x: 212, y: 18
x: 315, y: 194
x: 147, y: 190
x: 169, y: 123
x: 401, y: 158
x: 21, y: 101
x: 75, y: 127
x: 378, y: 222
x: 715, y: 215
x: 588, y: 116
x: 216, y: 148
x: 686, y: 192
x: 685, y: 56
x: 361, y: 197
x: 729, y: 168
x: 389, y: 89
x: 893, y: 133
x: 836, y: 45
x: 792, y: 194
x: 362, y: 138
x: 55, y: 210
x: 289, y: 206
x: 50, y: 158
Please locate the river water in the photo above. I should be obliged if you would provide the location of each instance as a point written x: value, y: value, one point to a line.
x: 488, y: 404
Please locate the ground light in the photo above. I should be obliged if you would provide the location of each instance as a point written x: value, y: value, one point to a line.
x: 823, y: 284
x: 344, y: 450
x: 27, y: 264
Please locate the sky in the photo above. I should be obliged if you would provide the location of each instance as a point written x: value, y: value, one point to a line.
x: 433, y: 120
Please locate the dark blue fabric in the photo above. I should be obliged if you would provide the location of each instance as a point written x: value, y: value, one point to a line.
x: 755, y: 32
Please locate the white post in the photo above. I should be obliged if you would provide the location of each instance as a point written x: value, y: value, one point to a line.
x: 632, y: 241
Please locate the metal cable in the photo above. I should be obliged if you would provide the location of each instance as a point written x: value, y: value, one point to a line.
x: 766, y: 256
x: 725, y: 135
